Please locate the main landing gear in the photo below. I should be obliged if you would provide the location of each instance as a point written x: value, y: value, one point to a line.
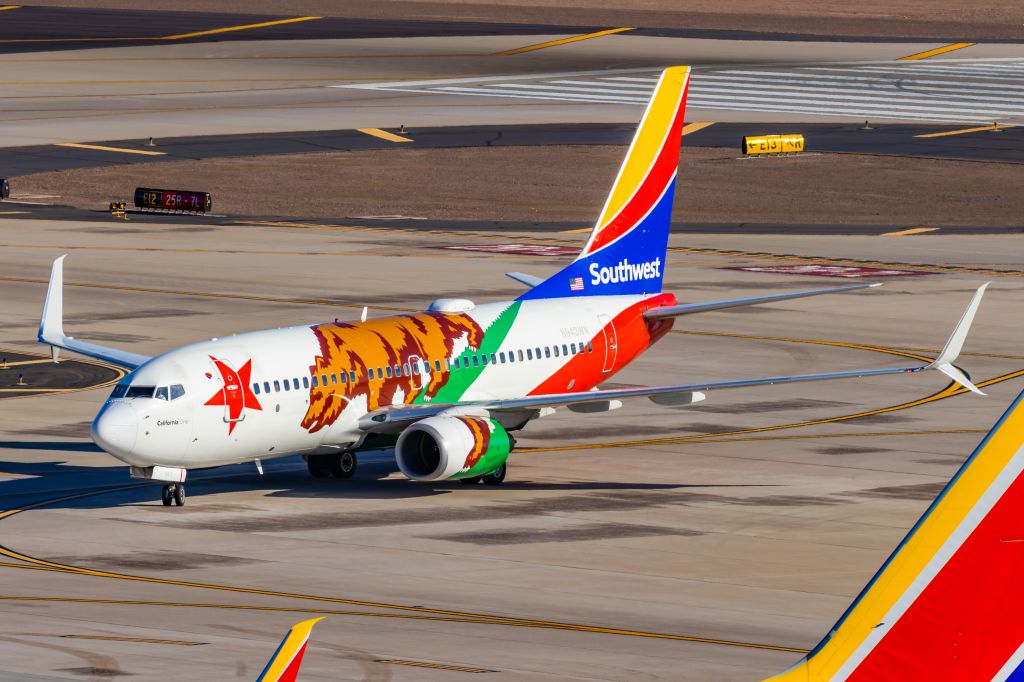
x: 496, y: 477
x: 340, y: 465
x: 173, y: 492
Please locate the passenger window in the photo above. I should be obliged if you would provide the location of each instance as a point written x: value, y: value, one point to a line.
x: 590, y: 347
x: 556, y: 351
x: 476, y: 360
x: 305, y: 382
x: 537, y: 351
x: 295, y: 383
x: 437, y: 365
x: 455, y: 363
x: 388, y: 369
x: 343, y: 377
x: 316, y: 381
x: 415, y: 368
x: 266, y: 387
x: 277, y: 385
x: 323, y: 379
x: 334, y: 379
x: 573, y: 347
x: 352, y: 376
x: 565, y: 349
x: 547, y: 351
x: 501, y: 357
x: 520, y: 354
x: 484, y: 358
x: 177, y: 390
x: 256, y: 388
x: 398, y: 370
x: 161, y: 393
x: 287, y: 385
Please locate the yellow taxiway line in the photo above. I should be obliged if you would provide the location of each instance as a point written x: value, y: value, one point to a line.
x: 561, y: 41
x: 964, y: 131
x: 245, y: 27
x: 79, y: 145
x: 384, y: 135
x: 6, y: 7
x: 937, y: 51
x: 913, y: 230
x: 695, y: 126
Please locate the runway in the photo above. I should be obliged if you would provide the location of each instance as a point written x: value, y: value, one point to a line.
x: 716, y: 542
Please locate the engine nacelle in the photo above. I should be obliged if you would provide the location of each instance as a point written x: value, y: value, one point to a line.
x: 449, y: 447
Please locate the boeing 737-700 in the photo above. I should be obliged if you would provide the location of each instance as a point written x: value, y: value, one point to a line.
x: 447, y: 387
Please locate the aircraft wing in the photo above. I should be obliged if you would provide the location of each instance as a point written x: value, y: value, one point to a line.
x: 690, y: 308
x: 51, y: 327
x: 395, y: 418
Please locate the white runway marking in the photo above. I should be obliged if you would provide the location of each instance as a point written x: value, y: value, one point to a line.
x: 949, y: 90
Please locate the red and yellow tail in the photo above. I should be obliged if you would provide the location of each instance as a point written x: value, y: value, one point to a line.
x: 284, y: 664
x: 948, y: 603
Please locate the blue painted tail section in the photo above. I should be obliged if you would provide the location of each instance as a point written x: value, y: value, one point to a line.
x: 633, y: 264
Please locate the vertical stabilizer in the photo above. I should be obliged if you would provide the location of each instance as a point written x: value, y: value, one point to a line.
x: 947, y: 604
x: 283, y: 666
x: 625, y: 253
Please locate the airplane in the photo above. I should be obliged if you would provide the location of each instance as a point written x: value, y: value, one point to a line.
x: 447, y: 387
x: 945, y: 605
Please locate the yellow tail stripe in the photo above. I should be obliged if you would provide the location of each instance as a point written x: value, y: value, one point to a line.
x: 650, y: 137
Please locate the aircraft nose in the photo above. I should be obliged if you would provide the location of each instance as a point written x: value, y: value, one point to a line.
x: 115, y: 429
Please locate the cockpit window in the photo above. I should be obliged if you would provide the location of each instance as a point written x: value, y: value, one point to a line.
x: 140, y: 392
x: 161, y: 393
x: 177, y: 390
x: 119, y: 391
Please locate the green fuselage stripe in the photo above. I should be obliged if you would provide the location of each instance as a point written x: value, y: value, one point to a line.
x: 463, y: 378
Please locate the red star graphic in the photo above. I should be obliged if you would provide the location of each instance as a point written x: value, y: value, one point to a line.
x: 236, y: 394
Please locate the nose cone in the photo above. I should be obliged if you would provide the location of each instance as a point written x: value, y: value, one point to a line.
x: 115, y: 429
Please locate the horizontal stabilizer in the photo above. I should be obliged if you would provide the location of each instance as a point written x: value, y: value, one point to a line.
x: 528, y: 280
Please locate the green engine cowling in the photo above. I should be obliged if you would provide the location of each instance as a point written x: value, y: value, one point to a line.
x: 446, y: 448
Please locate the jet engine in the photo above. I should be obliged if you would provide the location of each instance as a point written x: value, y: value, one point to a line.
x: 452, y: 447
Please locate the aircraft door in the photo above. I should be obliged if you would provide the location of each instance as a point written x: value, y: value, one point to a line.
x: 611, y: 342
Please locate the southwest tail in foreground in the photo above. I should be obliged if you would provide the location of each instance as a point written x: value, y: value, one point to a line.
x: 283, y: 666
x: 947, y: 604
x: 626, y: 250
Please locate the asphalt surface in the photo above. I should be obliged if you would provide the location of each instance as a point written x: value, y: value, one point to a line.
x: 41, y: 28
x: 1005, y: 145
x: 23, y: 374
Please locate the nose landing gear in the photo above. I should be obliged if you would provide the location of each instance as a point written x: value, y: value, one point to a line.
x: 173, y: 492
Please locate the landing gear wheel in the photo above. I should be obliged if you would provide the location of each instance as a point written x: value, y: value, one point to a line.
x: 179, y: 495
x: 343, y: 465
x: 472, y: 480
x: 319, y: 465
x: 167, y: 495
x: 496, y: 477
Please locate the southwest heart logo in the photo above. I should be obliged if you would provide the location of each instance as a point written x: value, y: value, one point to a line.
x: 236, y: 394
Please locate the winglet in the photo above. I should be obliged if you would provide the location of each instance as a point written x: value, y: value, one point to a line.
x: 522, y: 277
x: 284, y: 664
x: 949, y: 354
x: 51, y: 325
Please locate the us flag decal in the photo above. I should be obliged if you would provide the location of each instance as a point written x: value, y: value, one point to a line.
x: 576, y: 284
